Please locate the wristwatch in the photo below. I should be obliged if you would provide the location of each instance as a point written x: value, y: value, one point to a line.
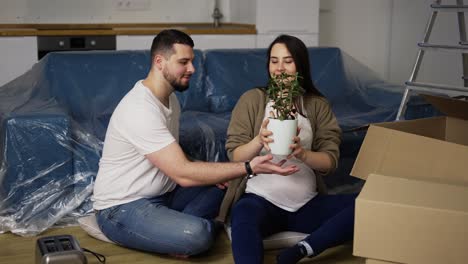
x: 248, y: 169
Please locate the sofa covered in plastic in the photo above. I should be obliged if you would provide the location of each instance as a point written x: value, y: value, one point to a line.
x: 54, y: 118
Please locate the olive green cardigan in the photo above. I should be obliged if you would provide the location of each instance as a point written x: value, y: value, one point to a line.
x: 246, y: 119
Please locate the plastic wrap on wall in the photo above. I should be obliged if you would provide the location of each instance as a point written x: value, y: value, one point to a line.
x: 366, y: 99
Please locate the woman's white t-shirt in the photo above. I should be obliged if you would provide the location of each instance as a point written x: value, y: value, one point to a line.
x: 140, y: 125
x: 287, y: 192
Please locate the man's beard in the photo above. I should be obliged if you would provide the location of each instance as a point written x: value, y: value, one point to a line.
x: 180, y: 88
x: 174, y: 83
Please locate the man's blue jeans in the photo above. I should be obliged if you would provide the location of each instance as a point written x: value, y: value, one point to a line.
x: 179, y: 222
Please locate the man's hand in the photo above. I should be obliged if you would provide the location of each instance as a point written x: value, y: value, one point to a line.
x: 263, y: 164
x: 222, y: 185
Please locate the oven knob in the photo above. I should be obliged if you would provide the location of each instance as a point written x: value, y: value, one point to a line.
x: 61, y: 43
x: 93, y: 42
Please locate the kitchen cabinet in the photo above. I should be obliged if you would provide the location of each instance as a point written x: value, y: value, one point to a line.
x: 202, y: 41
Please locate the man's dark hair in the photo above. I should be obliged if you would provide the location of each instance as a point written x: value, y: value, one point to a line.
x: 299, y: 53
x: 164, y: 41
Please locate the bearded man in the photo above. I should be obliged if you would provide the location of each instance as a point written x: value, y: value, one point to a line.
x: 148, y: 195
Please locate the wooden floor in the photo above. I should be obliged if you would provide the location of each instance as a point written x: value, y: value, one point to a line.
x: 16, y: 249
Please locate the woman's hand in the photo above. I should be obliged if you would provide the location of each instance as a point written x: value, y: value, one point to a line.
x: 264, y: 135
x: 256, y: 144
x: 297, y: 150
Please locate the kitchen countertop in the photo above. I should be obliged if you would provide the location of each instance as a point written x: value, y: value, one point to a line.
x: 121, y: 29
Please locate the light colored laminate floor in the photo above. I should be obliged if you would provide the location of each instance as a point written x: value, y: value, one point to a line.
x: 15, y: 249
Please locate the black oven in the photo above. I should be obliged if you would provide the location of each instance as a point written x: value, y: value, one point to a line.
x: 46, y: 44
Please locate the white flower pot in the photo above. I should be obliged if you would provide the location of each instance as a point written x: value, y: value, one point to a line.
x: 283, y: 133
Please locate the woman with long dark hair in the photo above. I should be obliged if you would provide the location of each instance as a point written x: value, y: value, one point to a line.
x: 272, y: 204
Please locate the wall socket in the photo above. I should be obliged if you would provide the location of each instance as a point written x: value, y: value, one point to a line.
x: 132, y: 5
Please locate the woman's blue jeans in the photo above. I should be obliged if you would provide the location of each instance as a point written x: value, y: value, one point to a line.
x: 329, y: 219
x: 179, y: 222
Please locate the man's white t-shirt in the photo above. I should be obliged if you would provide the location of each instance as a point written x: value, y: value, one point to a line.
x: 140, y: 125
x: 287, y: 192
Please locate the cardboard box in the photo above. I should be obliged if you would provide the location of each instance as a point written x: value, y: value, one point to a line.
x: 414, y: 205
x: 376, y: 261
x: 411, y: 221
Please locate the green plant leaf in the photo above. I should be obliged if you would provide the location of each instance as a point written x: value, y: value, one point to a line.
x: 283, y: 90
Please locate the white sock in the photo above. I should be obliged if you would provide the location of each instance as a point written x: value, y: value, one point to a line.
x: 306, y: 245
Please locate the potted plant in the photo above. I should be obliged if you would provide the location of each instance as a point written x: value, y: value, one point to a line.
x: 283, y: 90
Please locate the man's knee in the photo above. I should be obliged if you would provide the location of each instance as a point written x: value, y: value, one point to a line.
x: 198, y: 237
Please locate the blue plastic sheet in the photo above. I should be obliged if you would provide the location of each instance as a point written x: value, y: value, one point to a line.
x: 54, y: 120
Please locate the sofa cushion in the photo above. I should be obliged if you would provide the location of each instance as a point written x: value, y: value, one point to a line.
x: 36, y: 151
x: 38, y: 164
x: 202, y: 135
x: 91, y: 83
x: 89, y: 225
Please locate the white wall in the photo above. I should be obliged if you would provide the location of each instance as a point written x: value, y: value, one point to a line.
x: 18, y: 55
x: 383, y: 34
x: 242, y: 11
x: 360, y: 28
x: 108, y: 11
x: 408, y: 25
x: 157, y: 11
x: 294, y: 17
x: 380, y: 33
x: 272, y: 17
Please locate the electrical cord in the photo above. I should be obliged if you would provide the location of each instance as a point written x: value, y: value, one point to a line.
x: 100, y: 257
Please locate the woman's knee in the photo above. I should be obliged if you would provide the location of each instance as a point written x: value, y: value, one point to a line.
x: 247, y: 211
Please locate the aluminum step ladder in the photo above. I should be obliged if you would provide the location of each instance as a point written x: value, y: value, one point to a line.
x: 412, y: 84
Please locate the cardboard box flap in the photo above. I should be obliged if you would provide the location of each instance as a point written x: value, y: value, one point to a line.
x: 449, y: 106
x: 433, y: 127
x: 377, y: 261
x: 396, y: 153
x: 415, y: 193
